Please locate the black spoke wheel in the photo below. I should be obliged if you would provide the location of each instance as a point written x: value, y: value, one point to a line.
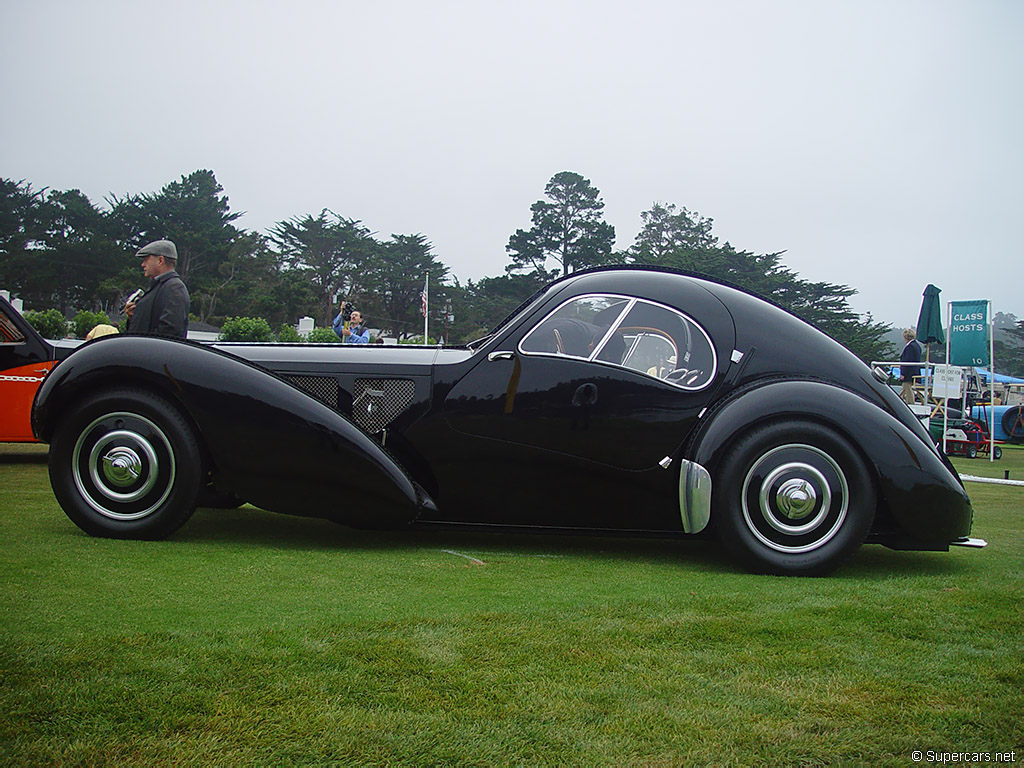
x: 1013, y: 423
x: 793, y: 498
x: 125, y: 464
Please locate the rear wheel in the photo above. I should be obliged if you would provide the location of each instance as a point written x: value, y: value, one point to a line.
x: 125, y: 464
x: 793, y: 498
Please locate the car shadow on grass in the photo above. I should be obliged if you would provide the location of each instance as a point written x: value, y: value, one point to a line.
x: 262, y: 530
x: 20, y: 453
x: 875, y: 562
x: 249, y: 526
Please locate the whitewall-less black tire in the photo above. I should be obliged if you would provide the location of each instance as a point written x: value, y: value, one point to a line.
x: 793, y: 498
x: 125, y: 464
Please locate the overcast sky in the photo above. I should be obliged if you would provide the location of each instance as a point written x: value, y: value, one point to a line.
x: 880, y: 143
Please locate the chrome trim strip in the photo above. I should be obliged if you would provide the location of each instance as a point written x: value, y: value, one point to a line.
x: 631, y: 301
x: 611, y: 330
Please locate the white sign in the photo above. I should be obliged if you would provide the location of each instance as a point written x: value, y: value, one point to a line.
x: 948, y: 382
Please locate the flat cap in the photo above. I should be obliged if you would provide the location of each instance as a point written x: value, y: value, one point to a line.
x: 163, y: 248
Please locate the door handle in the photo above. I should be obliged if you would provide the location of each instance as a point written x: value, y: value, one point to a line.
x: 503, y: 355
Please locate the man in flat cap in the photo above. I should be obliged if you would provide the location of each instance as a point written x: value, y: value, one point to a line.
x: 163, y: 309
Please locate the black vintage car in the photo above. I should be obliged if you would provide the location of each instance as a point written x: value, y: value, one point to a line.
x: 619, y: 401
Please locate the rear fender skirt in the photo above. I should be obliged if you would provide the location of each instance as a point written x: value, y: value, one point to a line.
x: 270, y: 443
x: 694, y: 496
x: 924, y: 496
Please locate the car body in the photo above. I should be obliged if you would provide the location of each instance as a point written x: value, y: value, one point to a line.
x: 25, y: 360
x: 627, y: 401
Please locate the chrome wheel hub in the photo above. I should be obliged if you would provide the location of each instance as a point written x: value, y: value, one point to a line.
x: 795, y: 498
x: 123, y: 466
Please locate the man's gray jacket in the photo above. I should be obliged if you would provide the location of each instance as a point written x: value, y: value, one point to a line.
x: 163, y: 309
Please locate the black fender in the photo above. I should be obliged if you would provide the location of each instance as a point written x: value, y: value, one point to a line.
x: 268, y: 442
x: 924, y: 497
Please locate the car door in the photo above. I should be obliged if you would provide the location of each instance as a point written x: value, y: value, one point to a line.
x: 25, y: 359
x: 587, y: 403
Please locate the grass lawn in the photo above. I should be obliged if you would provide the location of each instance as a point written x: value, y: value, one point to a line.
x: 254, y: 638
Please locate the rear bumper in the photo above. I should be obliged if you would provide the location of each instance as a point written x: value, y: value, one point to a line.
x: 967, y: 541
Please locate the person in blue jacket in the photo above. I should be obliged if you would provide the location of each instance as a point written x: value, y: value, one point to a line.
x: 352, y: 332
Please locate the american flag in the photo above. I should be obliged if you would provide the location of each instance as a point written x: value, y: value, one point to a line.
x: 423, y: 300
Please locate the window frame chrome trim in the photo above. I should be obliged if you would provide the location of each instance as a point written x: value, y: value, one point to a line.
x: 631, y: 301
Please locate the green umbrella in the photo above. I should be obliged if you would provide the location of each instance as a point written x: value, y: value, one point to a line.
x: 929, y: 322
x: 929, y: 326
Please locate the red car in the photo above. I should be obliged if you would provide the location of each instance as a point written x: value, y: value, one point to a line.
x: 25, y: 359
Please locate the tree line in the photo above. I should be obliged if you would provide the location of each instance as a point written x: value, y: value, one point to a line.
x: 59, y: 250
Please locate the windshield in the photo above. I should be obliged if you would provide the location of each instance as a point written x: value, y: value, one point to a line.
x: 535, y: 298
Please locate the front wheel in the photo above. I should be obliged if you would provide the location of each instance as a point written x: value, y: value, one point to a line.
x: 792, y: 498
x: 125, y: 464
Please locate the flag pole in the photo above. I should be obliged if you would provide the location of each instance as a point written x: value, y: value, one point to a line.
x: 945, y: 401
x: 426, y: 307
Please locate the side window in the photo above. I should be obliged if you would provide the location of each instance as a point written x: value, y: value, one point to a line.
x: 632, y: 333
x: 9, y: 333
x: 664, y: 343
x: 575, y: 329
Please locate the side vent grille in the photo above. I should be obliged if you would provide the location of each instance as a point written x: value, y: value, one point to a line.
x: 377, y: 402
x: 322, y: 388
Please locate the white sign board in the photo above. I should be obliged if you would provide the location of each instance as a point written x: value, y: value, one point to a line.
x: 948, y: 382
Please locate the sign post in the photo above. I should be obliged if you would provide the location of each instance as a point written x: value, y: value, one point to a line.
x: 968, y: 333
x: 970, y: 342
x: 948, y: 382
x: 949, y: 385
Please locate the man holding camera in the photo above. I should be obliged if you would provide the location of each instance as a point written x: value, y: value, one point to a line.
x: 162, y: 310
x: 349, y: 326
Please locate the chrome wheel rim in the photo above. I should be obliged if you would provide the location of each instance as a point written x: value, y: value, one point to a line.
x: 795, y: 498
x: 123, y: 466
